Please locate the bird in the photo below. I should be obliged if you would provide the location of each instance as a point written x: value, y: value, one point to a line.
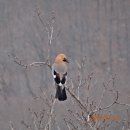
x: 59, y: 72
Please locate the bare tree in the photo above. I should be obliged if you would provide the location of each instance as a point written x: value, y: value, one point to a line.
x: 81, y: 116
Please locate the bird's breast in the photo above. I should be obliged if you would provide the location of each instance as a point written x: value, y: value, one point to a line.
x: 60, y: 68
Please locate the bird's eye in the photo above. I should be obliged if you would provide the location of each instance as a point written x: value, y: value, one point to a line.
x: 65, y: 60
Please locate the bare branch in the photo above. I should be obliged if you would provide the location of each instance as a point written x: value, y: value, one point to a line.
x: 76, y: 98
x: 41, y: 20
x: 33, y: 115
x: 67, y: 125
x: 101, y: 99
x: 26, y: 125
x: 11, y: 126
x: 19, y: 62
x: 48, y: 125
x: 71, y: 123
x: 114, y: 102
x: 39, y: 64
x: 124, y: 104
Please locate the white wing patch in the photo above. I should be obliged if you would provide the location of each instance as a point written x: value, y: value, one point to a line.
x: 54, y: 76
x: 60, y: 84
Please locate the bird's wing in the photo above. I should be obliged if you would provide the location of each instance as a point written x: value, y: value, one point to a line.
x: 59, y: 79
x: 56, y: 77
x: 64, y: 78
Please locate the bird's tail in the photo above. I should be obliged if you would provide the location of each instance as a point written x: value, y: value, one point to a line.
x: 60, y: 93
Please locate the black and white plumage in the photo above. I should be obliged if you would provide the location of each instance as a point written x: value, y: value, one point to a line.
x: 59, y: 72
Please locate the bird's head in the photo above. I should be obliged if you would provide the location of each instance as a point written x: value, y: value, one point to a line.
x: 61, y: 58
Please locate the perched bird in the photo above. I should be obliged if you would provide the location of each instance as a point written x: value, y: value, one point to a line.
x: 59, y: 72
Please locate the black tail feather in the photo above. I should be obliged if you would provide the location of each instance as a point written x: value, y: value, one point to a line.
x: 61, y: 93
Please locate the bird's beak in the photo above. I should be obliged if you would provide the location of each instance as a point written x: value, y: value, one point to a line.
x: 65, y: 60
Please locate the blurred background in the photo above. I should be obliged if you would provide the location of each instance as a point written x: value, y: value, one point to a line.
x: 95, y: 30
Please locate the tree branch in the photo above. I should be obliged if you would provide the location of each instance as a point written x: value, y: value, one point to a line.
x: 19, y: 62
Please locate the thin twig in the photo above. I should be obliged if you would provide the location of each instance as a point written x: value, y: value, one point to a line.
x: 124, y: 104
x: 114, y: 102
x: 19, y: 62
x: 11, y: 126
x: 71, y: 123
x: 101, y: 99
x: 39, y: 63
x: 48, y: 125
x: 41, y: 20
x: 33, y: 115
x: 67, y: 124
x: 76, y: 98
x: 51, y: 35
